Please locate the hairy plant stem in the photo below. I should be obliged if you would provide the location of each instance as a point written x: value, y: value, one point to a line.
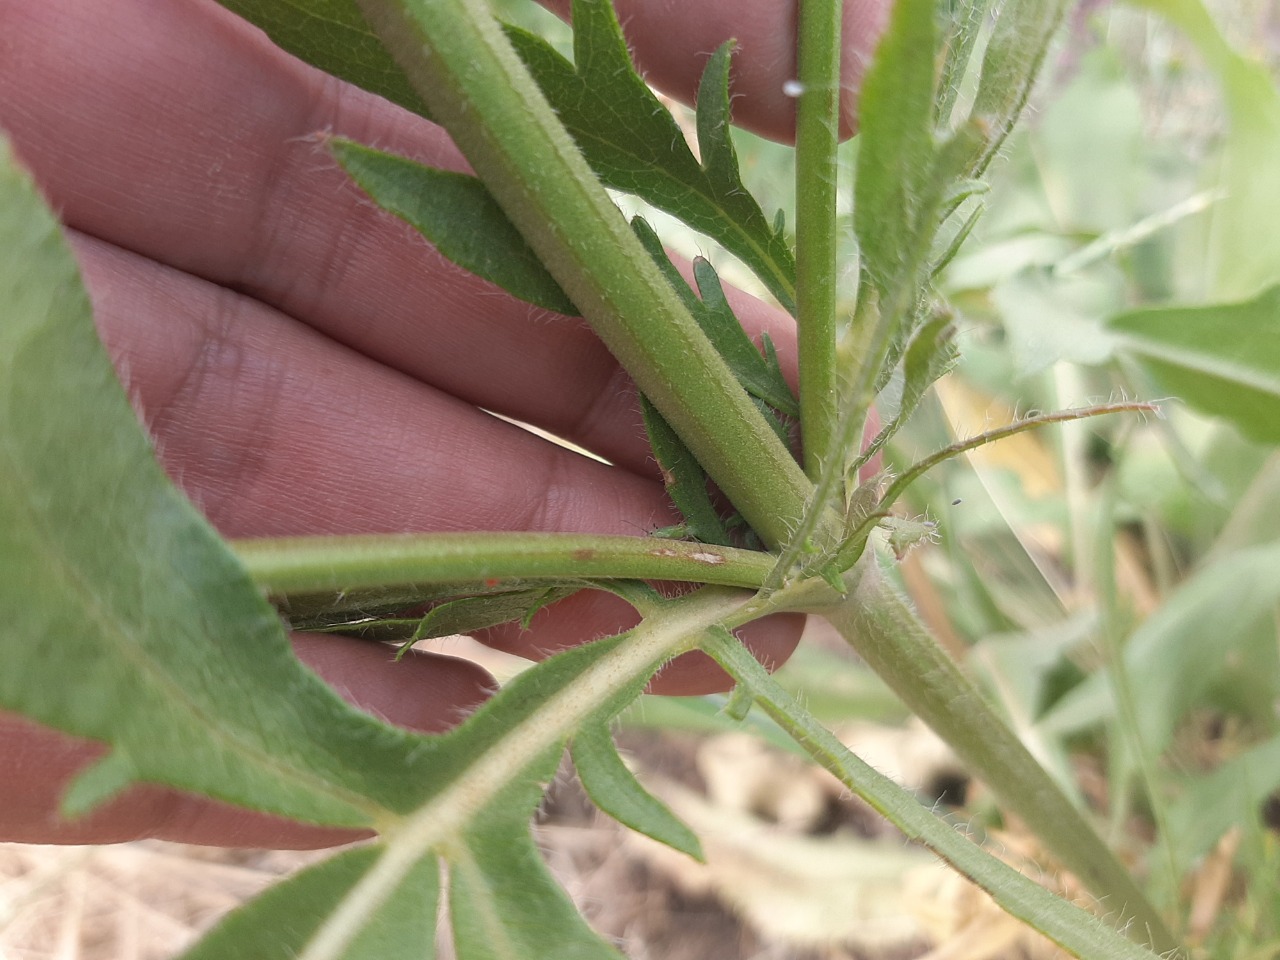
x: 464, y: 68
x: 817, y: 136
x: 1062, y: 922
x: 318, y: 564
x: 877, y: 622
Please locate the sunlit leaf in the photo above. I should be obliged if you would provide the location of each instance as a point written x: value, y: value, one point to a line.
x: 459, y: 216
x: 615, y: 790
x: 280, y: 923
x: 1222, y: 359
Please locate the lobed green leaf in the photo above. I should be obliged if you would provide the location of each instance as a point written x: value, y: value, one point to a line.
x: 128, y: 620
x: 280, y: 923
x: 459, y: 216
x: 334, y: 36
x: 503, y: 902
x: 684, y: 479
x: 615, y: 790
x: 634, y: 145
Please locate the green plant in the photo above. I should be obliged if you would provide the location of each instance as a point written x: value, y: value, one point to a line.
x: 157, y: 605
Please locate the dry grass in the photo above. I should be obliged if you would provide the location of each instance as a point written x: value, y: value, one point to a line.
x: 134, y: 901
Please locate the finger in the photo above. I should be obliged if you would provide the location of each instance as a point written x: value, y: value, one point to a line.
x: 672, y: 42
x: 274, y: 430
x: 172, y: 129
x: 422, y: 692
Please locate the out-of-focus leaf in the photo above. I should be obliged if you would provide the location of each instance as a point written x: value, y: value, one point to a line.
x: 1178, y: 655
x: 1223, y: 359
x: 280, y: 923
x: 1232, y: 795
x: 634, y: 145
x: 1089, y: 145
x: 1010, y: 65
x: 128, y: 621
x: 930, y: 355
x: 615, y: 790
x: 1049, y: 319
x: 962, y: 25
x: 459, y: 216
x: 334, y: 36
x: 1243, y: 245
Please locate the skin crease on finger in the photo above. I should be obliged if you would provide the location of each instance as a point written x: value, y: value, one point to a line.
x: 185, y: 143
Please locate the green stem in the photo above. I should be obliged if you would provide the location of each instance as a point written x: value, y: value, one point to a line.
x: 461, y: 64
x: 817, y: 136
x: 879, y: 625
x: 1064, y: 923
x: 320, y: 564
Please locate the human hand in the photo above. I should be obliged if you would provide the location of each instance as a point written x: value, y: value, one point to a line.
x: 307, y: 365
